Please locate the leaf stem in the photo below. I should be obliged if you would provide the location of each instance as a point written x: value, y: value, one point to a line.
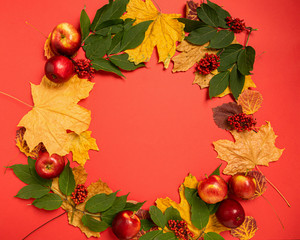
x: 249, y: 33
x: 273, y: 210
x: 16, y: 99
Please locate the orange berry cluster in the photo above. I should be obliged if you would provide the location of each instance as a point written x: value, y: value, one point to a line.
x: 180, y: 229
x: 80, y: 194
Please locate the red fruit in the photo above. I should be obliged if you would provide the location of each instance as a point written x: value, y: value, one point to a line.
x: 230, y: 213
x: 65, y: 39
x: 126, y: 225
x: 242, y: 186
x: 59, y: 69
x: 212, y: 189
x: 49, y: 166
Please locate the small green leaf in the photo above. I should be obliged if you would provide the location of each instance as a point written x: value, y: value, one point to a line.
x: 93, y: 224
x: 166, y: 236
x: 213, y: 236
x: 146, y: 224
x: 218, y: 83
x: 105, y: 65
x: 222, y: 14
x: 213, y: 207
x: 246, y: 60
x: 134, y: 206
x: 118, y: 8
x: 199, y: 212
x: 100, y: 202
x: 216, y: 171
x: 208, y: 15
x: 188, y: 193
x: 157, y: 216
x: 191, y: 25
x: 151, y: 235
x: 102, y: 14
x: 115, y: 46
x: 236, y: 82
x: 32, y: 191
x: 96, y: 46
x: 222, y: 39
x: 50, y: 201
x: 201, y: 35
x: 85, y: 24
x: 66, y: 180
x: 121, y: 61
x: 172, y: 214
x: 229, y: 56
x: 117, y: 23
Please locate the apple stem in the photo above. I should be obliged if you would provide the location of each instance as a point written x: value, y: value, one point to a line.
x: 36, y: 29
x: 273, y: 210
x: 44, y: 224
x: 276, y: 189
x: 16, y: 99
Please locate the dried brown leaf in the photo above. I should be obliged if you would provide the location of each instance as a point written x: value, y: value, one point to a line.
x: 245, y: 231
x: 47, y: 49
x: 260, y: 183
x: 191, y: 10
x: 250, y: 100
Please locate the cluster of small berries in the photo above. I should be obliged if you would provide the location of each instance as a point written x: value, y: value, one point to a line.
x: 80, y: 194
x: 180, y: 229
x: 241, y: 122
x: 207, y: 64
x: 83, y: 68
x: 236, y: 25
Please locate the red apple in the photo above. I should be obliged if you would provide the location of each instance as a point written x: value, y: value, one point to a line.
x: 230, y: 213
x: 59, y: 69
x: 242, y: 186
x: 212, y: 189
x: 126, y: 225
x: 49, y: 166
x: 65, y: 39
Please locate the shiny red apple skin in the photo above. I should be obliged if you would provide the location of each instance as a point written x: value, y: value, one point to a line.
x: 230, y: 213
x: 59, y: 69
x: 126, y: 225
x: 242, y: 186
x: 65, y: 39
x: 212, y: 189
x: 49, y: 166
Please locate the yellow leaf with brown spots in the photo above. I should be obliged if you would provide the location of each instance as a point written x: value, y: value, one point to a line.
x: 245, y: 231
x: 249, y: 149
x: 250, y: 100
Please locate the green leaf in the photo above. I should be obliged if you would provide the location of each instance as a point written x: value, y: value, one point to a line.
x: 229, y: 56
x: 134, y: 36
x: 116, y: 25
x: 105, y: 65
x: 50, y: 201
x: 93, y: 224
x: 121, y: 61
x: 246, y: 60
x: 216, y: 171
x: 208, y: 15
x: 199, y: 212
x: 166, y: 236
x: 191, y: 25
x: 213, y: 207
x: 213, y: 236
x: 222, y: 39
x: 118, y: 8
x: 115, y: 46
x: 66, y: 180
x: 134, y: 206
x: 222, y: 14
x: 100, y: 202
x: 188, y: 193
x: 36, y: 177
x: 157, y: 216
x: 96, y: 46
x: 218, y: 83
x: 236, y: 82
x: 32, y: 191
x: 172, y: 214
x: 201, y: 35
x: 102, y: 14
x: 151, y: 235
x: 85, y: 24
x: 146, y: 224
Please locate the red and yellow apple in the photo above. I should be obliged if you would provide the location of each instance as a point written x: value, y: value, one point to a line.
x: 212, y: 189
x: 48, y: 166
x: 242, y: 186
x: 65, y: 39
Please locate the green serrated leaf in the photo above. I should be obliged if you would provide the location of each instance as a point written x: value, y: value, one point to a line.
x: 222, y: 14
x: 188, y: 193
x: 93, y: 224
x: 246, y: 60
x: 134, y: 206
x: 201, y: 35
x: 191, y: 25
x: 66, y: 180
x: 121, y: 61
x: 116, y: 25
x: 105, y: 65
x: 229, y: 56
x: 213, y: 236
x: 166, y: 236
x: 135, y: 35
x: 85, y: 24
x: 50, y: 201
x: 218, y: 83
x: 32, y: 191
x: 216, y: 171
x: 146, y: 224
x: 222, y: 39
x: 172, y: 214
x: 208, y: 15
x: 102, y: 14
x: 118, y: 8
x: 199, y: 212
x: 100, y: 202
x: 236, y: 82
x: 96, y: 46
x: 35, y: 176
x: 151, y: 235
x: 157, y: 216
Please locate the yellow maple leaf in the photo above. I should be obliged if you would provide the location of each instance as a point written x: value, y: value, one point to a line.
x: 55, y: 111
x: 80, y: 144
x: 163, y: 32
x: 249, y: 149
x: 250, y: 100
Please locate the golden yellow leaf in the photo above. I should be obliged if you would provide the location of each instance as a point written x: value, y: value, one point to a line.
x: 249, y: 149
x: 80, y: 144
x: 203, y: 80
x: 163, y: 32
x: 245, y: 231
x: 47, y: 49
x: 250, y: 100
x: 55, y: 111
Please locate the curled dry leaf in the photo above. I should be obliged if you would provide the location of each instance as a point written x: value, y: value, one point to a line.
x: 163, y: 32
x: 245, y: 231
x: 47, y: 49
x: 191, y: 10
x: 221, y: 114
x: 260, y: 183
x: 250, y: 100
x: 249, y: 150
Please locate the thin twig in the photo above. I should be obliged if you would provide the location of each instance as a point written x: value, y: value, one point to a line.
x: 16, y: 99
x: 273, y: 210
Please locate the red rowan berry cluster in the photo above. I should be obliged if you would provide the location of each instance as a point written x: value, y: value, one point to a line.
x: 84, y: 69
x: 207, y: 64
x: 80, y: 194
x: 241, y: 122
x: 180, y: 229
x: 236, y: 25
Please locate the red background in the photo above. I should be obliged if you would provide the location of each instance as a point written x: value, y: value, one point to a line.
x: 153, y: 127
